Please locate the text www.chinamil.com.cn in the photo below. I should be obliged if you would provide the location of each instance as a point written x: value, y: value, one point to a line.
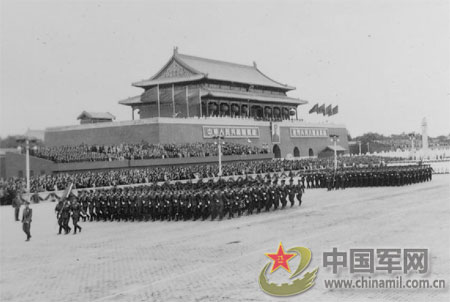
x: 398, y: 282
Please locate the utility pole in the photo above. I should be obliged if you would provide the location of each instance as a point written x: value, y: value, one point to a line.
x: 26, y: 142
x: 335, y: 138
x: 219, y: 148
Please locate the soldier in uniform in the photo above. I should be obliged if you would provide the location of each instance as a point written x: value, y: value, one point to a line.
x: 248, y: 200
x: 214, y: 204
x: 300, y: 190
x: 155, y: 205
x: 84, y: 206
x: 329, y: 180
x: 27, y: 216
x: 238, y: 202
x: 162, y: 206
x: 16, y: 205
x: 131, y: 205
x: 65, y: 216
x: 188, y: 199
x: 198, y: 200
x: 145, y: 197
x: 91, y: 206
x: 284, y: 193
x: 58, y: 209
x: 291, y: 192
x: 76, y: 210
x: 205, y: 205
x: 103, y: 206
x: 195, y: 205
x: 220, y: 204
x: 123, y: 206
x: 169, y: 202
x: 272, y: 196
x: 265, y: 197
x: 97, y: 205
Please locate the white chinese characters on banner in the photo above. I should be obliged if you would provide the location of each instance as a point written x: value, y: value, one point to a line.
x: 308, y: 132
x: 230, y: 132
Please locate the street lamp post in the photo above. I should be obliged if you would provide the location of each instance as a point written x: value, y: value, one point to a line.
x: 219, y: 148
x: 27, y: 142
x: 412, y: 137
x: 335, y: 138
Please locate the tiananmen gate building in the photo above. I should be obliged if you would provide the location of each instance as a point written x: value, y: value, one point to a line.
x: 193, y: 99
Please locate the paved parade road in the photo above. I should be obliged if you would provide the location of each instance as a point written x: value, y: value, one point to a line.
x: 221, y: 260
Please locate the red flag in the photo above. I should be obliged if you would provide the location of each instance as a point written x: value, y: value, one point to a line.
x: 67, y: 191
x: 321, y: 109
x: 335, y: 110
x: 329, y: 111
x: 314, y: 108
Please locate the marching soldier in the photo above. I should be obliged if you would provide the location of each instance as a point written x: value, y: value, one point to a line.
x: 205, y: 205
x: 284, y: 193
x: 291, y: 192
x: 27, y: 216
x: 65, y: 216
x: 300, y: 190
x: 58, y: 210
x: 90, y: 202
x: 84, y: 206
x: 76, y: 210
x: 272, y: 196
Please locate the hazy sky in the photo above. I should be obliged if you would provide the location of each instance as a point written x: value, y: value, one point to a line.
x: 385, y: 63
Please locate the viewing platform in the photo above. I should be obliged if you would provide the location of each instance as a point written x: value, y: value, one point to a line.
x: 226, y: 120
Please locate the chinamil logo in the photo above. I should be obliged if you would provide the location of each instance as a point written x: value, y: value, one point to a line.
x: 280, y: 259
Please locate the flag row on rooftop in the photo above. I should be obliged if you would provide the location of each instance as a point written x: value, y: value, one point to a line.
x: 329, y: 110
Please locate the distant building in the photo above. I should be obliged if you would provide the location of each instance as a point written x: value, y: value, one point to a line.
x: 37, y: 134
x: 194, y: 99
x: 95, y: 117
x: 189, y: 86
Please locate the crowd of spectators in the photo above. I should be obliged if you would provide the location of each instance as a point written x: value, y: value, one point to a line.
x: 143, y: 150
x: 115, y: 177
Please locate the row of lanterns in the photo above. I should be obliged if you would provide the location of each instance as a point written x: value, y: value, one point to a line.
x: 235, y: 108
